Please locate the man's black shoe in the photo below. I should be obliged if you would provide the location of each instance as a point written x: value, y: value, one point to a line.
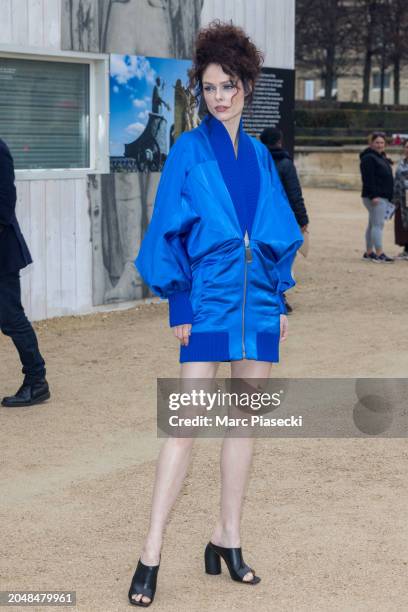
x: 28, y: 395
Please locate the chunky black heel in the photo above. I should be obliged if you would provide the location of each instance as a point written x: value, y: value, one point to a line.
x: 234, y: 562
x: 144, y: 581
x: 212, y: 561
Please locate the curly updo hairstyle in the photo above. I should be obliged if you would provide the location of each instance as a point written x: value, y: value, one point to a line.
x: 227, y: 45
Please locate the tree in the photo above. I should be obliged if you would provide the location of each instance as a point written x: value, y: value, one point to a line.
x: 391, y: 30
x: 324, y: 29
x: 398, y: 15
x: 366, y: 27
x: 333, y: 36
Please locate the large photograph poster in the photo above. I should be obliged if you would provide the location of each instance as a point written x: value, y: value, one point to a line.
x: 150, y: 107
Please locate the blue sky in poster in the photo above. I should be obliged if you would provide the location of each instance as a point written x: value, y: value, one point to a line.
x: 132, y: 78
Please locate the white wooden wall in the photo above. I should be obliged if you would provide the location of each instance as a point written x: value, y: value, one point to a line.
x: 270, y: 23
x: 54, y: 214
x: 54, y: 219
x: 31, y: 22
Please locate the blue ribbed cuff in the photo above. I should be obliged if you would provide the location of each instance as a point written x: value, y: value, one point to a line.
x: 180, y: 310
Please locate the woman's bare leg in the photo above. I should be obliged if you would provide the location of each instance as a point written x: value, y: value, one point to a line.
x: 171, y: 468
x: 236, y: 456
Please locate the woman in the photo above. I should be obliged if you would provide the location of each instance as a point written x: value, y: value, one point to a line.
x: 377, y: 192
x: 220, y: 247
x: 400, y: 200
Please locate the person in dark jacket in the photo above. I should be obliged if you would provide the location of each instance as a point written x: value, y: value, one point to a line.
x: 273, y: 139
x: 377, y: 193
x: 14, y: 255
x: 401, y: 202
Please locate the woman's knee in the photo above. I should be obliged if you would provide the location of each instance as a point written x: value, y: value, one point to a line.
x: 180, y: 444
x: 378, y: 225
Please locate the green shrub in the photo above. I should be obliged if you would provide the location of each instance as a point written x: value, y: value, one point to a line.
x: 345, y: 123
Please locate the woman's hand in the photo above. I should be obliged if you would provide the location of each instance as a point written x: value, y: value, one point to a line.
x: 376, y: 200
x: 284, y: 327
x: 182, y: 332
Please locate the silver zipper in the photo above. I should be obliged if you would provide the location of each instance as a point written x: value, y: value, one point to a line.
x: 248, y: 259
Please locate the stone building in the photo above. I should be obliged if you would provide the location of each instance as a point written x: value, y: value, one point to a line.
x: 349, y: 88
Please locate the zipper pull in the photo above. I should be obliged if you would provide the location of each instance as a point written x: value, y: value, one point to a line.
x: 248, y: 253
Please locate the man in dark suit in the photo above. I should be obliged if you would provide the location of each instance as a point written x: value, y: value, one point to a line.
x: 14, y: 255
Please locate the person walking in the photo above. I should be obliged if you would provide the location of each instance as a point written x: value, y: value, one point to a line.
x: 272, y: 138
x: 400, y: 201
x: 219, y: 247
x: 377, y: 193
x: 14, y: 255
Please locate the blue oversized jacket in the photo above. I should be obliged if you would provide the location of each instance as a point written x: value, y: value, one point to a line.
x: 193, y: 253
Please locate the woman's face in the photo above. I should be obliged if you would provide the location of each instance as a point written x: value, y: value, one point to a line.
x: 406, y: 150
x: 223, y: 94
x: 378, y: 144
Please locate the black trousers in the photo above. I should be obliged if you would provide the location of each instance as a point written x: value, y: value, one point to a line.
x: 14, y: 323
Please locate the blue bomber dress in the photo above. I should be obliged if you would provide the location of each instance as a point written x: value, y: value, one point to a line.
x: 220, y: 245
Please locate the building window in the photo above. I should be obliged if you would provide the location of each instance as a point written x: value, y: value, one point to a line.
x: 44, y: 112
x: 377, y: 80
x: 309, y: 89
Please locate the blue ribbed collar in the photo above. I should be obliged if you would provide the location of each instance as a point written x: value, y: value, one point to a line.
x: 241, y: 174
x: 220, y: 137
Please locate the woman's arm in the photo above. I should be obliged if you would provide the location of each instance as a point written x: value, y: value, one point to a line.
x: 367, y: 167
